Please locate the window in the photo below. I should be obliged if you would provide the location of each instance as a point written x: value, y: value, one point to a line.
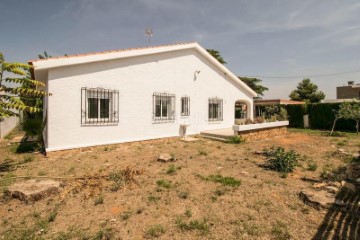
x: 185, y: 106
x: 99, y: 106
x: 163, y: 107
x: 215, y: 109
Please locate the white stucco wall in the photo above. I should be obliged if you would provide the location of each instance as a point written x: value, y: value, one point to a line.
x: 8, y: 124
x: 136, y: 79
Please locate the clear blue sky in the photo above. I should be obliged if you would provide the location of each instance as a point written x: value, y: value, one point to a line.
x: 256, y: 37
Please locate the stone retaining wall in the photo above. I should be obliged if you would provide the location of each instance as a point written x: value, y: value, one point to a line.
x: 262, y: 134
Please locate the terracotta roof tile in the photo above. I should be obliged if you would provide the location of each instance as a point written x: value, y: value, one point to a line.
x: 111, y: 51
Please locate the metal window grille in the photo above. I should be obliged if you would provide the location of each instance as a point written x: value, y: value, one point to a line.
x: 185, y: 106
x: 215, y: 109
x: 163, y: 107
x: 99, y: 106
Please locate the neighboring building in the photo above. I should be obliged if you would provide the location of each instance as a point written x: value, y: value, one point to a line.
x: 137, y: 94
x: 350, y: 91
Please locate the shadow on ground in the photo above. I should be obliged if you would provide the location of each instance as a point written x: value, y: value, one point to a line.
x: 342, y: 222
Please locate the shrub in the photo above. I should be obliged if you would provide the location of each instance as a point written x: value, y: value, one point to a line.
x: 280, y: 160
x: 236, y: 139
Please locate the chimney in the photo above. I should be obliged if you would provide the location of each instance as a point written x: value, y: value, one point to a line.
x: 350, y: 83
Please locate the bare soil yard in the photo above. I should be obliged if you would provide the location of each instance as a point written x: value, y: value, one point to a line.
x: 214, y: 190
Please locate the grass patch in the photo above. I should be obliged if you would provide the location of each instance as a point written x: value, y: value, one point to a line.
x: 202, y: 152
x: 164, y: 183
x: 99, y: 200
x: 198, y: 225
x: 312, y: 166
x: 171, y: 170
x: 280, y: 231
x: 154, y: 231
x: 183, y: 195
x: 125, y: 216
x: 225, y: 181
x: 28, y: 158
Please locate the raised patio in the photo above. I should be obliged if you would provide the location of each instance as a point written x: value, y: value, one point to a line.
x: 250, y: 132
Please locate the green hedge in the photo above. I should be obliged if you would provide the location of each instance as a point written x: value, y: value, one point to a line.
x: 295, y: 115
x: 322, y: 115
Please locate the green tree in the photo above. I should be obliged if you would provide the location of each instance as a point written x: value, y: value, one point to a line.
x: 18, y: 97
x: 44, y: 56
x: 216, y: 54
x: 254, y: 84
x: 307, y: 91
x: 348, y: 110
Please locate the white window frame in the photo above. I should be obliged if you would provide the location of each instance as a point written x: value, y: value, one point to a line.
x: 218, y: 111
x: 185, y: 106
x: 163, y: 101
x: 99, y: 94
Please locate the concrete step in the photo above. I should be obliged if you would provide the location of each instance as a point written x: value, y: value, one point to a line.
x: 215, y: 137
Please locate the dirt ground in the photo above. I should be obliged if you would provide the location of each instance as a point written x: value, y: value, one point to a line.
x: 175, y: 200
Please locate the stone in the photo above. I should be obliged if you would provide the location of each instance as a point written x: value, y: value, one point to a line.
x: 34, y: 190
x: 341, y: 150
x: 319, y: 185
x: 335, y: 184
x: 244, y: 173
x: 332, y: 189
x: 165, y: 157
x: 259, y: 152
x: 113, y: 220
x: 319, y: 199
x: 348, y: 185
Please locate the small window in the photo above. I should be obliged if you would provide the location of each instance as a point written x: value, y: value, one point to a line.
x: 215, y: 109
x: 163, y: 107
x: 185, y: 106
x: 99, y: 106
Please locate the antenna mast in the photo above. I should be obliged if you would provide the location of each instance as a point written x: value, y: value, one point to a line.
x: 149, y: 33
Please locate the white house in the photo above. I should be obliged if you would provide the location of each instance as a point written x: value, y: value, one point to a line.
x: 137, y: 94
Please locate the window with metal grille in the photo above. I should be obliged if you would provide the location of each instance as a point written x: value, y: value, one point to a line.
x: 215, y: 109
x: 99, y: 106
x: 185, y: 106
x: 163, y: 107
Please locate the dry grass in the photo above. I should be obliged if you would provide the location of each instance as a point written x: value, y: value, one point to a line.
x: 197, y: 197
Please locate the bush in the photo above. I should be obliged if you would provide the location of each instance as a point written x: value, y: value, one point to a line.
x: 322, y: 115
x: 236, y: 139
x: 296, y: 115
x: 280, y: 160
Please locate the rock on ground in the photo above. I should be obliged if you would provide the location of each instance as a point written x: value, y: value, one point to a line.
x: 33, y: 190
x: 165, y: 157
x: 320, y: 199
x: 353, y: 171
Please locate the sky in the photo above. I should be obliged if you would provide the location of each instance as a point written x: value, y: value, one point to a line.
x: 279, y: 41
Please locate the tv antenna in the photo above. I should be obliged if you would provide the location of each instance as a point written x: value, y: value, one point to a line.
x: 149, y: 33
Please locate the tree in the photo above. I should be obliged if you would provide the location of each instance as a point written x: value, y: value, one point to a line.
x: 216, y: 54
x: 44, y: 56
x: 348, y: 110
x: 17, y: 97
x: 254, y: 84
x: 307, y: 91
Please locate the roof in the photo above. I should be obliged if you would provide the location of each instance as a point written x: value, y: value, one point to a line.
x: 276, y: 101
x: 63, y: 61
